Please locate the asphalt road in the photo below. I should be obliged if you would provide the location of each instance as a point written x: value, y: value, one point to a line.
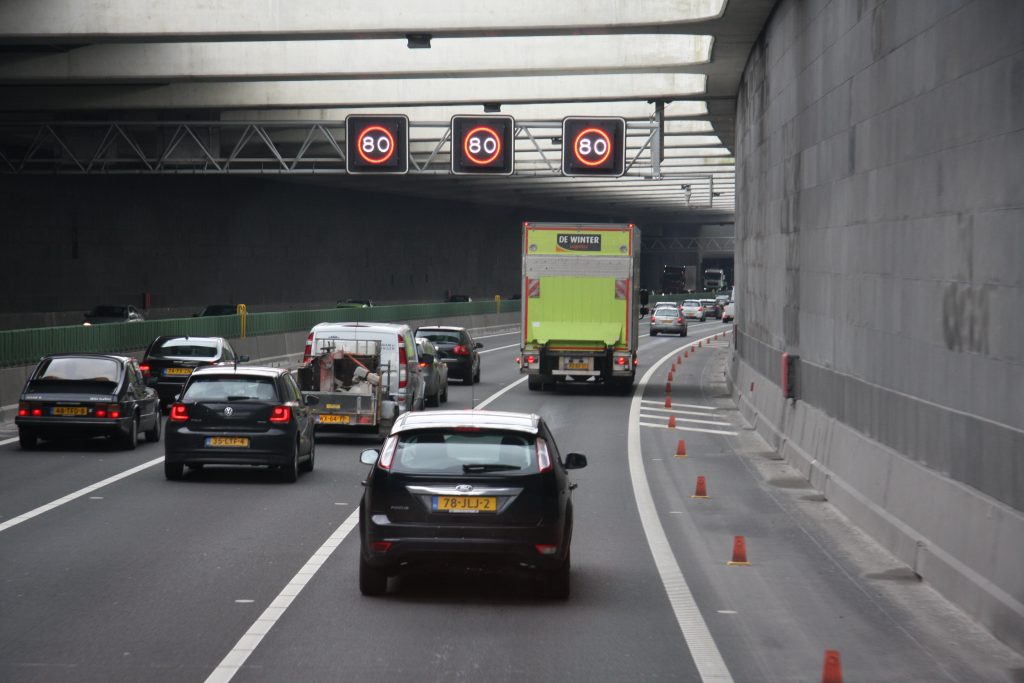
x: 232, y: 575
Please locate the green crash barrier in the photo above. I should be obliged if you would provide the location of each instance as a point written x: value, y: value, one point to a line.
x: 21, y: 347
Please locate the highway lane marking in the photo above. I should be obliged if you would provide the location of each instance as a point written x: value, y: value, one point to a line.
x: 499, y: 348
x: 680, y: 405
x: 687, y: 419
x: 7, y: 441
x: 15, y: 521
x: 681, y: 428
x: 245, y: 646
x: 672, y: 411
x: 702, y: 647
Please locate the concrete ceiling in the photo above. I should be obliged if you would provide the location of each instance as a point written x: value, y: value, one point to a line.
x: 319, y: 60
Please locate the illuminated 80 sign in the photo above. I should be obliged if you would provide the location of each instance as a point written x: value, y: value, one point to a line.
x: 593, y: 146
x: 483, y: 144
x: 376, y: 144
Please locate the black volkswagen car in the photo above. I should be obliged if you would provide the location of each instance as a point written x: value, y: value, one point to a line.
x: 456, y: 349
x: 240, y: 415
x: 466, y: 488
x: 84, y: 394
x: 169, y: 362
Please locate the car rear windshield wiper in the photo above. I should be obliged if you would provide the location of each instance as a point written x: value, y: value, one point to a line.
x: 488, y: 467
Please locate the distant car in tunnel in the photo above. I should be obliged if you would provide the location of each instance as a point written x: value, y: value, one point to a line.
x: 170, y: 360
x: 711, y: 308
x: 729, y: 313
x: 458, y: 299
x: 456, y: 349
x: 354, y: 303
x: 692, y: 308
x: 668, y: 319
x: 123, y: 313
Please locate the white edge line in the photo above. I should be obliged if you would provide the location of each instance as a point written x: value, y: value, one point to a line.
x: 703, y: 650
x: 14, y: 521
x: 245, y: 646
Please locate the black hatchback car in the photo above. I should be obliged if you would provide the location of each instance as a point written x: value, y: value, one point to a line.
x: 467, y: 489
x: 85, y: 394
x: 170, y: 361
x: 240, y: 415
x: 456, y: 349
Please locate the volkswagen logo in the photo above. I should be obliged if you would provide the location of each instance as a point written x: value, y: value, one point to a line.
x: 464, y: 488
x: 229, y: 411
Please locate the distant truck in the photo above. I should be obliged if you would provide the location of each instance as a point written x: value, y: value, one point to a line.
x: 581, y: 303
x: 714, y: 279
x: 673, y: 279
x: 346, y: 379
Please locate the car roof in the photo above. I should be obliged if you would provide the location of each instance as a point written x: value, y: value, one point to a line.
x: 446, y: 328
x: 164, y: 337
x: 369, y: 327
x: 232, y: 370
x: 109, y: 356
x: 484, y: 419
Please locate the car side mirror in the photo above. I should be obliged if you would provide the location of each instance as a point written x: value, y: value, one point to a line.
x: 478, y: 345
x: 575, y: 461
x: 310, y: 400
x: 369, y: 456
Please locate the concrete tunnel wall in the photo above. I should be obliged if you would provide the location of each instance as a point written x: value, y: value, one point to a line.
x: 880, y: 237
x: 71, y: 242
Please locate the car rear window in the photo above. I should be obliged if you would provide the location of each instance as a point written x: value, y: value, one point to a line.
x: 441, y: 336
x: 234, y: 388
x: 183, y: 347
x: 448, y: 452
x: 691, y: 303
x: 79, y: 370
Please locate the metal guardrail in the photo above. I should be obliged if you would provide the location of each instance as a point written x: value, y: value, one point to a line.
x: 21, y: 347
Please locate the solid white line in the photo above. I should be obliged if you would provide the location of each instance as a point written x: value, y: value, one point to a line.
x: 681, y: 428
x: 673, y: 411
x: 498, y: 334
x: 496, y: 396
x: 234, y: 660
x: 14, y: 521
x: 703, y: 650
x: 7, y: 441
x: 245, y: 646
x: 499, y: 348
x: 649, y: 416
x: 680, y: 405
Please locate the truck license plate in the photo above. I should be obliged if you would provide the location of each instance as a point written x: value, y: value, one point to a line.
x: 577, y: 364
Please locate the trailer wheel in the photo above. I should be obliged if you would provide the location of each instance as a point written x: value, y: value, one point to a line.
x: 534, y: 383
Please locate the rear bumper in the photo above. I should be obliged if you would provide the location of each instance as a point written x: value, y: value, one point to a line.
x: 459, y: 368
x: 669, y: 328
x: 272, y: 447
x: 56, y: 426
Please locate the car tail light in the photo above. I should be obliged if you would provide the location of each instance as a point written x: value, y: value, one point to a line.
x: 679, y: 320
x: 145, y: 369
x: 423, y: 365
x: 388, y: 453
x: 281, y: 414
x: 179, y: 413
x: 700, y: 308
x: 100, y: 412
x: 461, y: 350
x: 403, y: 359
x: 22, y: 411
x: 37, y: 412
x: 546, y: 549
x: 308, y: 353
x: 380, y: 546
x: 543, y: 456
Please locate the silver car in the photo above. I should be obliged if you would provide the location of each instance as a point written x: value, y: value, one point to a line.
x: 692, y: 308
x: 668, y: 319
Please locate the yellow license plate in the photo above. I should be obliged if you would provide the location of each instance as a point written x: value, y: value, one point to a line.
x: 334, y: 419
x: 66, y: 410
x: 178, y: 371
x: 465, y: 503
x: 577, y: 365
x: 227, y: 442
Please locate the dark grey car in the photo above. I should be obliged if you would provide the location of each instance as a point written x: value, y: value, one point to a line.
x: 435, y: 373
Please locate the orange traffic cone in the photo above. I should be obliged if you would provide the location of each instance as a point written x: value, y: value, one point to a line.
x: 833, y: 670
x: 702, y: 489
x: 686, y: 354
x: 668, y: 401
x: 679, y: 359
x: 681, y: 448
x: 671, y: 421
x: 739, y: 552
x: 668, y: 387
x: 671, y: 375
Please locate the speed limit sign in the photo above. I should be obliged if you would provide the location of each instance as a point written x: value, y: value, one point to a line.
x: 376, y: 144
x: 593, y: 146
x: 483, y: 144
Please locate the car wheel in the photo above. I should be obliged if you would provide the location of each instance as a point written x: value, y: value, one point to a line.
x: 556, y: 583
x: 307, y: 465
x: 27, y: 440
x: 290, y: 472
x: 372, y: 581
x: 444, y: 396
x: 654, y: 333
x: 131, y: 439
x: 435, y: 400
x: 153, y: 435
x: 476, y: 376
x: 173, y: 471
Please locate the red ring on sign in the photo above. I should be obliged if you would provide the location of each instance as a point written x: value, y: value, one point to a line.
x: 576, y: 147
x: 469, y: 136
x: 371, y: 129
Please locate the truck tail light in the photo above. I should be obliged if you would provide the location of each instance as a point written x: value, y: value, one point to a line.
x: 308, y: 353
x: 281, y: 414
x: 403, y: 360
x: 621, y: 360
x: 531, y: 360
x: 179, y: 413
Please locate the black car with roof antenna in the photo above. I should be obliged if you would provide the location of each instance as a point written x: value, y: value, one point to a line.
x: 170, y: 360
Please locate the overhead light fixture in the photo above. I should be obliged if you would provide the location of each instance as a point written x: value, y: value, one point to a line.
x: 556, y: 140
x: 492, y: 107
x: 418, y: 41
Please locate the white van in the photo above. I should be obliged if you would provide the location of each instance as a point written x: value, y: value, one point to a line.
x: 404, y: 381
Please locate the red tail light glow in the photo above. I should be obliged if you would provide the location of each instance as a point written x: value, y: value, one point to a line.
x: 546, y: 549
x: 145, y: 369
x: 308, y: 353
x: 621, y: 360
x: 403, y: 360
x: 22, y: 412
x: 381, y: 546
x: 100, y: 412
x: 37, y: 412
x: 679, y: 320
x: 179, y: 413
x: 461, y: 350
x: 531, y: 359
x: 281, y: 414
x: 423, y: 365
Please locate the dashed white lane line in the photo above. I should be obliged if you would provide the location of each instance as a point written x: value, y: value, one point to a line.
x: 681, y: 428
x: 14, y: 521
x: 7, y: 441
x: 499, y: 348
x: 670, y: 411
x: 702, y: 647
x: 680, y: 405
